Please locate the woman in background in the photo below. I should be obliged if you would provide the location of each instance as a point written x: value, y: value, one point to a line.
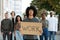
x: 17, y: 28
x: 45, y: 23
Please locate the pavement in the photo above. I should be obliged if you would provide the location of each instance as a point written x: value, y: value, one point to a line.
x: 57, y: 37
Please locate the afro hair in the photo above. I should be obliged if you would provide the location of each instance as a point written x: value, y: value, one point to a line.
x: 29, y: 8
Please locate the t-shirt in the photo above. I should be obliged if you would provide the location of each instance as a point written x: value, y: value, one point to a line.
x: 30, y: 20
x: 44, y: 23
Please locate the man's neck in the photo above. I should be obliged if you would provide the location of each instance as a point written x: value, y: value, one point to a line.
x: 43, y: 18
x: 6, y: 18
x: 50, y: 16
x: 30, y: 17
x: 18, y: 21
x: 12, y: 16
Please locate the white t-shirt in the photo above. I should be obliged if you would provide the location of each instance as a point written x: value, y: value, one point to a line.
x: 53, y: 24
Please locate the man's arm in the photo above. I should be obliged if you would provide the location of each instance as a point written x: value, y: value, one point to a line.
x: 1, y: 26
x: 11, y: 24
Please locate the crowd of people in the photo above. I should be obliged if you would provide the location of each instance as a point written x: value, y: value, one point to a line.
x: 11, y: 27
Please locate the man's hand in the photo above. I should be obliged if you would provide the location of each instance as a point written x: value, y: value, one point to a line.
x: 41, y: 31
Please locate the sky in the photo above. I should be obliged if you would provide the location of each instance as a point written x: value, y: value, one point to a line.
x: 25, y: 4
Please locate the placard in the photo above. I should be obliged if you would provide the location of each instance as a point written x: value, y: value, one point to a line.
x: 31, y: 28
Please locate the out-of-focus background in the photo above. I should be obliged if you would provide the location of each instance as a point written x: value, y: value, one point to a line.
x: 19, y: 6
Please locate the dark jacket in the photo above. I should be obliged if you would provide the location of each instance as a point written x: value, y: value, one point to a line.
x: 6, y: 25
x: 13, y: 21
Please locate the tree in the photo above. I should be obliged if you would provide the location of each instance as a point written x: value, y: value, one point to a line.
x: 47, y: 4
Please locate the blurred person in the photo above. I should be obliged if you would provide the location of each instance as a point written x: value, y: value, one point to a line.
x: 13, y: 18
x: 44, y: 11
x: 17, y: 28
x: 52, y: 26
x: 31, y: 13
x: 6, y: 27
x: 13, y: 21
x: 0, y: 18
x: 25, y: 16
x: 44, y: 22
x: 59, y: 22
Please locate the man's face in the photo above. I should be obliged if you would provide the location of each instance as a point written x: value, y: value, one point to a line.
x: 43, y: 16
x: 31, y: 12
x: 51, y: 14
x: 12, y: 14
x: 6, y: 15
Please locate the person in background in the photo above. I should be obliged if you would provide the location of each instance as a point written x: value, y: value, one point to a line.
x: 44, y: 11
x: 44, y: 22
x: 31, y: 13
x: 6, y: 27
x: 13, y: 21
x: 0, y: 21
x: 59, y: 22
x: 17, y: 29
x: 52, y: 26
x: 25, y: 16
x: 13, y: 18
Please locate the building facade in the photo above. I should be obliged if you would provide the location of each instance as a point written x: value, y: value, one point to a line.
x: 10, y: 5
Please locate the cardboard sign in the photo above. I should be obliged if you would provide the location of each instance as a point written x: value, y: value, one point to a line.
x: 31, y: 28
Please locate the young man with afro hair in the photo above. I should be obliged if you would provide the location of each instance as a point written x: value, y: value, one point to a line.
x: 31, y: 13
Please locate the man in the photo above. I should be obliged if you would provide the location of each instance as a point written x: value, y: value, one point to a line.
x: 13, y: 21
x: 13, y: 18
x: 52, y: 26
x: 6, y: 27
x: 31, y: 13
x: 44, y: 22
x: 59, y: 22
x: 0, y: 20
x: 25, y: 17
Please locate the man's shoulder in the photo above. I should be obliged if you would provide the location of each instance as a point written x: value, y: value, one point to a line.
x: 9, y: 19
x: 49, y: 18
x: 25, y: 19
x: 35, y: 19
x: 3, y: 19
x: 47, y: 21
